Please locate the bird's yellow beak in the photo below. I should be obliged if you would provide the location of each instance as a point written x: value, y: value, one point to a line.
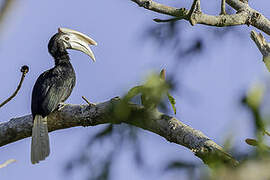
x: 78, y: 41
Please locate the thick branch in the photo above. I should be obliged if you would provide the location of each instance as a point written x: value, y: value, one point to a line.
x: 84, y: 115
x: 244, y: 15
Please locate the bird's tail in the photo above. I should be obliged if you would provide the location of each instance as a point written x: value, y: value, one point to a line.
x: 40, y: 147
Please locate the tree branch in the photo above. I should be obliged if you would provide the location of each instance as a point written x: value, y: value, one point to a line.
x: 83, y: 115
x: 24, y: 70
x: 244, y: 15
x: 263, y: 46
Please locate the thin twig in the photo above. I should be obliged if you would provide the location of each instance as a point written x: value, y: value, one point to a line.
x: 223, y: 7
x: 167, y: 20
x: 7, y: 162
x: 88, y: 102
x: 195, y: 7
x: 24, y: 70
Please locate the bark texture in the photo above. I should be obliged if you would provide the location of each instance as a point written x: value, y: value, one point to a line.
x: 90, y: 115
x: 244, y: 14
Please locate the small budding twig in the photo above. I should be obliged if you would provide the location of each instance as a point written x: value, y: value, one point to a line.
x: 24, y: 70
x: 162, y: 74
x: 88, y: 102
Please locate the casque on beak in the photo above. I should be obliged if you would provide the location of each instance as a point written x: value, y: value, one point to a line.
x: 78, y: 41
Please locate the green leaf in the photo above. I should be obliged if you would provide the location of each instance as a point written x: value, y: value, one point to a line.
x: 266, y: 132
x: 152, y: 92
x: 255, y: 95
x: 172, y: 101
x: 134, y: 92
x: 258, y: 144
x: 105, y: 132
x: 252, y: 142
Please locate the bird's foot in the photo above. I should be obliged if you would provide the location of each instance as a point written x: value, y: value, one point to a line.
x: 60, y: 106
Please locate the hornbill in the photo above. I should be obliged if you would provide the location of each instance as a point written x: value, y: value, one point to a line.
x: 54, y: 86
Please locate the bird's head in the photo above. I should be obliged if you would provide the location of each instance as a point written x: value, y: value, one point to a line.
x: 70, y: 39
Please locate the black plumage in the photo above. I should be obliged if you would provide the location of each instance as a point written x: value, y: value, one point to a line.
x: 54, y: 86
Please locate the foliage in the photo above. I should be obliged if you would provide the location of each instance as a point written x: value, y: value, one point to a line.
x: 152, y: 92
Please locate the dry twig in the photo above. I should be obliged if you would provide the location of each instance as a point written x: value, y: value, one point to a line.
x: 24, y: 70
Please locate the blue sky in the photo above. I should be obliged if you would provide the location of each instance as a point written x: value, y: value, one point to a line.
x: 124, y: 58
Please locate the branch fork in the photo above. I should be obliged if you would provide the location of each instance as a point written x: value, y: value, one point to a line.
x: 263, y: 46
x: 195, y: 10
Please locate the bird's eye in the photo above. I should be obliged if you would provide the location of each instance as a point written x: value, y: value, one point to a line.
x: 66, y: 38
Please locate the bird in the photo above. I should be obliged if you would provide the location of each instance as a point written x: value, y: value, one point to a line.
x: 54, y: 86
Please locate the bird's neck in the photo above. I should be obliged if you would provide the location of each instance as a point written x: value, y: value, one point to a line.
x: 62, y: 58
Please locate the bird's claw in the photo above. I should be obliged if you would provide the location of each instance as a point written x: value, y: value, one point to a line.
x: 60, y: 106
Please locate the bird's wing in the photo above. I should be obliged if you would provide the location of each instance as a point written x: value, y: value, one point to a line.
x: 50, y: 89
